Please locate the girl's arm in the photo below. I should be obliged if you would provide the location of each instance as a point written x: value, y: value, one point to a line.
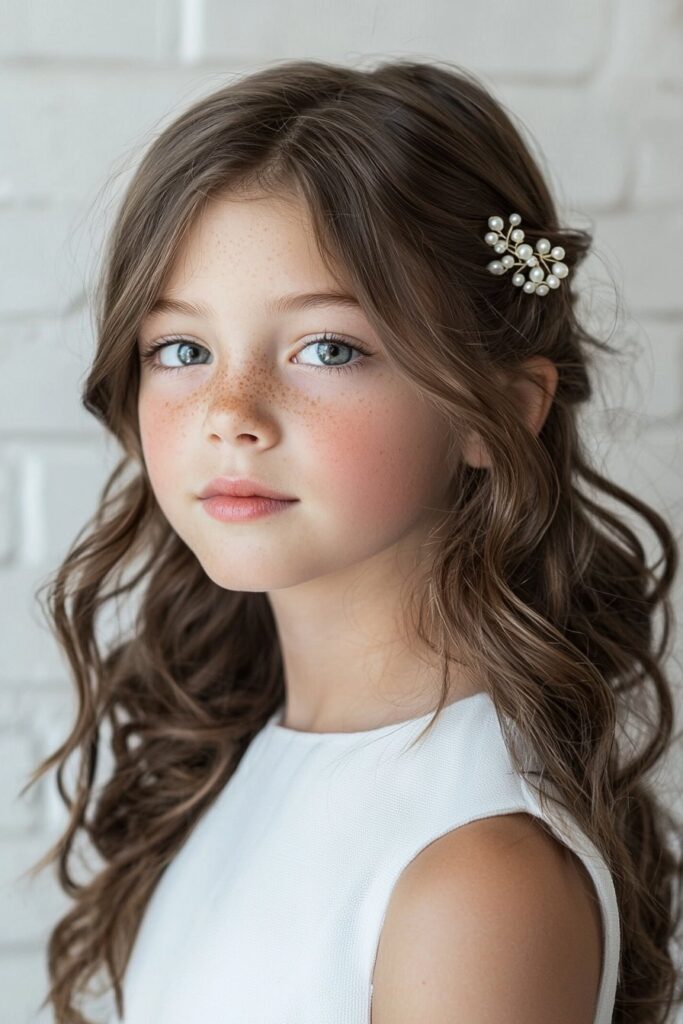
x: 495, y: 921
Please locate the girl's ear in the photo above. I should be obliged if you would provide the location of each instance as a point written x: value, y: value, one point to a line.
x: 535, y: 397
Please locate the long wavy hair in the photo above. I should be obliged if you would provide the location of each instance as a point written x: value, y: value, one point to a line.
x: 531, y: 571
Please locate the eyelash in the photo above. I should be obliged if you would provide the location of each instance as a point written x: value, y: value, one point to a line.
x: 148, y: 355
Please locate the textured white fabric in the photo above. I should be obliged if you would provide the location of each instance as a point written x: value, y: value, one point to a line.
x: 272, y: 910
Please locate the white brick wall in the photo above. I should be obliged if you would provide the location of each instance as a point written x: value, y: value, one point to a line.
x: 599, y: 87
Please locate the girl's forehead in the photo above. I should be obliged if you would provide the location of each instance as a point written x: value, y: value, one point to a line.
x: 259, y: 216
x: 264, y: 243
x: 232, y: 226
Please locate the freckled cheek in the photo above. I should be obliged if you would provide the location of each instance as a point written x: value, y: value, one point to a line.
x: 162, y: 430
x: 377, y: 460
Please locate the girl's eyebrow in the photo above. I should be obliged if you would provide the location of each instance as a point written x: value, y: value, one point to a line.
x: 283, y: 304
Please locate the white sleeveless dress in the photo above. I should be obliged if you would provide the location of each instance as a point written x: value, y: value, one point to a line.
x: 272, y: 910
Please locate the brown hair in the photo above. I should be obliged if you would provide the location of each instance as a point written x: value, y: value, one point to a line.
x: 548, y: 587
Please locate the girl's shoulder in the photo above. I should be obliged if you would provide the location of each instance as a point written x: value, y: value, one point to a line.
x: 494, y: 919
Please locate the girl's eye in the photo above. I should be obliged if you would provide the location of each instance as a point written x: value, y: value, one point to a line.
x: 149, y: 356
x: 329, y: 342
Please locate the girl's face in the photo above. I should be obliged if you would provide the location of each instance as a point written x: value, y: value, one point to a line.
x: 254, y: 393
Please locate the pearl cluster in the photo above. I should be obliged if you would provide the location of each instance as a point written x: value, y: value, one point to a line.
x: 536, y: 282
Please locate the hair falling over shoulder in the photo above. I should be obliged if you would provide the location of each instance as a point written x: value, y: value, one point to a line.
x: 549, y: 588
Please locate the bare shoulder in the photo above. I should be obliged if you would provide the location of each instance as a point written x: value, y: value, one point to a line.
x: 496, y: 920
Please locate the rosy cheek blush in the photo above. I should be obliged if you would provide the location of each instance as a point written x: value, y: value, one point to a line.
x: 163, y: 426
x: 373, y: 461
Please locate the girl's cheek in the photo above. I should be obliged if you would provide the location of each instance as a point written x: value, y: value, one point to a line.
x: 160, y: 424
x: 369, y: 455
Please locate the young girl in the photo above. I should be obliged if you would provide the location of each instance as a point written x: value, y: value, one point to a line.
x: 368, y: 728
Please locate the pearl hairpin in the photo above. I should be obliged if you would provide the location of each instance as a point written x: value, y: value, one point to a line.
x: 525, y: 257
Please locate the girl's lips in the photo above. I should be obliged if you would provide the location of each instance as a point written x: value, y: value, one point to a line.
x: 228, y: 508
x: 241, y: 487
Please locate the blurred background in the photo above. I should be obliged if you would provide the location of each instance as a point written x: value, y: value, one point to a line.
x: 85, y: 86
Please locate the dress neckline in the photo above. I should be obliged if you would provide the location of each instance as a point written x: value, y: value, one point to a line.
x: 303, y: 737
